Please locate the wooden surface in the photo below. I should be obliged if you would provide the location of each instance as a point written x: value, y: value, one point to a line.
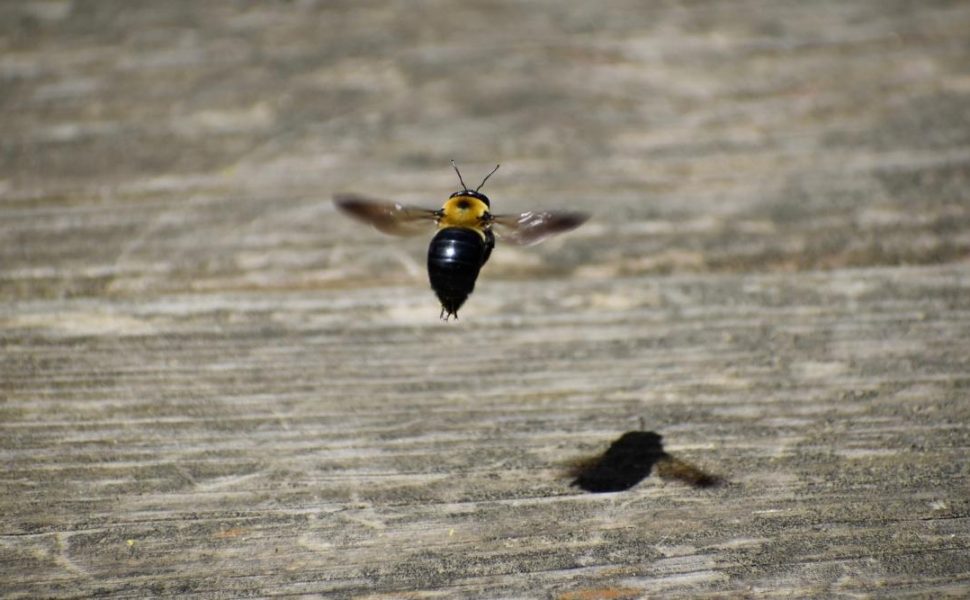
x: 213, y: 384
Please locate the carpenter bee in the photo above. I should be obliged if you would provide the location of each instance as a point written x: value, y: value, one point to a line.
x: 465, y: 236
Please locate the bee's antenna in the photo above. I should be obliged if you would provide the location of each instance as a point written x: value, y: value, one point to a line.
x: 487, y: 176
x: 463, y: 186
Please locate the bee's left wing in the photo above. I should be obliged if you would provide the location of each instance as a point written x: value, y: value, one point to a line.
x: 535, y: 226
x: 387, y: 217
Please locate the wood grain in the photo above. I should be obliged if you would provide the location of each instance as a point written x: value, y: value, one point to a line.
x: 212, y: 384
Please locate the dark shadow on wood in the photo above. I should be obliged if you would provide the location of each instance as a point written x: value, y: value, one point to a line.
x: 629, y: 460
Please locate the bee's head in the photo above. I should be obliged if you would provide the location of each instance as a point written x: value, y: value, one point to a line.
x: 472, y: 194
x: 464, y: 191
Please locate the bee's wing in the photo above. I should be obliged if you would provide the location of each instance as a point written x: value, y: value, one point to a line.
x: 388, y: 217
x: 534, y: 226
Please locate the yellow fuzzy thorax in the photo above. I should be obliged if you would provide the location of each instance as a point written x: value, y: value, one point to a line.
x: 463, y: 211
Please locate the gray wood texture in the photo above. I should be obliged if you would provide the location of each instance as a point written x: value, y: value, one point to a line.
x: 212, y: 384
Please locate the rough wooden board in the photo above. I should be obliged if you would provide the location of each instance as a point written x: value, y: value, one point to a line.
x: 212, y: 384
x: 249, y: 443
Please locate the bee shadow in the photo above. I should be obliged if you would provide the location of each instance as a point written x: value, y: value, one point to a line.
x: 629, y: 460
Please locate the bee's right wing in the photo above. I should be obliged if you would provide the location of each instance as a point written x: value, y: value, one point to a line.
x: 533, y: 227
x: 388, y: 217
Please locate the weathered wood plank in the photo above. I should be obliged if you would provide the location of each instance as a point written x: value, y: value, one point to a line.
x: 212, y: 384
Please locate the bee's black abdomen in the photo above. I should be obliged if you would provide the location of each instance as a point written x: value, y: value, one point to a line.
x: 455, y: 257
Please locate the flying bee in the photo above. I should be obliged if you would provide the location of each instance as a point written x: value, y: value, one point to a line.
x: 465, y: 236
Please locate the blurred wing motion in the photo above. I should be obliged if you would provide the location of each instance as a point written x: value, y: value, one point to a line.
x: 388, y: 217
x: 533, y: 227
